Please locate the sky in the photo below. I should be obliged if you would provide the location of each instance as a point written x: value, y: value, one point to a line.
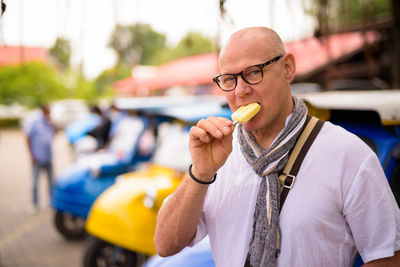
x: 88, y: 23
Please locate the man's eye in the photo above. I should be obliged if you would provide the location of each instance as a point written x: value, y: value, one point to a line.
x: 254, y: 72
x: 228, y: 79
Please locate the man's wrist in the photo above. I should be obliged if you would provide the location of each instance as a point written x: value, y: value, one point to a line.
x: 200, y: 181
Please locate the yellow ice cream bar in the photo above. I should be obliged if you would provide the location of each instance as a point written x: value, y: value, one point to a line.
x: 245, y: 113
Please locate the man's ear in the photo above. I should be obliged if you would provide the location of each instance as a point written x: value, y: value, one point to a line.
x: 290, y: 66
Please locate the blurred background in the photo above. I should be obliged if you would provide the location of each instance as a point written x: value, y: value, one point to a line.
x: 137, y: 59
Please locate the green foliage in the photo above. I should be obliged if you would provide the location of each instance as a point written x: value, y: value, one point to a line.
x: 365, y: 10
x: 85, y: 89
x: 192, y: 44
x: 338, y: 14
x: 104, y: 81
x: 60, y: 53
x: 140, y: 44
x: 81, y: 88
x: 30, y: 84
x: 134, y: 44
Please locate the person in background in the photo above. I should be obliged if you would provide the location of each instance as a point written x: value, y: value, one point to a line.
x: 102, y: 131
x: 340, y: 202
x: 39, y: 133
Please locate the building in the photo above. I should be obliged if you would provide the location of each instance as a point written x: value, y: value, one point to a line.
x: 19, y: 54
x: 356, y: 59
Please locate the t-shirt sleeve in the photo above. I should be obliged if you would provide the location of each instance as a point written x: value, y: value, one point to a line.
x: 201, y: 231
x: 371, y: 212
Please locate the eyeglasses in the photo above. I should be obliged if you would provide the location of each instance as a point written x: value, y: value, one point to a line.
x: 251, y: 75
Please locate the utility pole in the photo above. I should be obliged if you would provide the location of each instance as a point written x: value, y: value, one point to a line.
x: 21, y: 32
x: 396, y: 45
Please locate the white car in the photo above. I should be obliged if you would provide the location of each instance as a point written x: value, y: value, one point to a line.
x: 66, y: 111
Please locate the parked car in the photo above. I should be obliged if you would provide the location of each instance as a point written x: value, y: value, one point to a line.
x: 66, y: 111
x: 372, y: 115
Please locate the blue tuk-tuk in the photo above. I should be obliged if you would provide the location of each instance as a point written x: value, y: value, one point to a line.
x: 75, y: 190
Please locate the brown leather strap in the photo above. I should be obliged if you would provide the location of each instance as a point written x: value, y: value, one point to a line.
x: 303, y: 144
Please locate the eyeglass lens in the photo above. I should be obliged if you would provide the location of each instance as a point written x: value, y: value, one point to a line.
x: 251, y: 75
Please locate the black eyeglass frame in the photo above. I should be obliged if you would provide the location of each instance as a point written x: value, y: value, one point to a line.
x: 261, y: 66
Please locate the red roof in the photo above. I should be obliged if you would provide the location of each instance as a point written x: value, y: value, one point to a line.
x: 192, y: 70
x: 311, y: 54
x: 18, y: 54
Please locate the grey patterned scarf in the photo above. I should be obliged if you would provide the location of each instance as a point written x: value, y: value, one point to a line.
x: 264, y: 245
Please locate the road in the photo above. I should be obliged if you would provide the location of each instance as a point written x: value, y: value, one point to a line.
x: 30, y: 239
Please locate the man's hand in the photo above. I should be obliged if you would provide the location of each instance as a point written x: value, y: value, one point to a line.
x: 210, y: 145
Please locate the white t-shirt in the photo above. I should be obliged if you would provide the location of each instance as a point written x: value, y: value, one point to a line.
x: 341, y: 202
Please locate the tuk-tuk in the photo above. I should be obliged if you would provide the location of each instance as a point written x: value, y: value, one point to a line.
x: 121, y: 222
x: 76, y: 189
x: 374, y: 116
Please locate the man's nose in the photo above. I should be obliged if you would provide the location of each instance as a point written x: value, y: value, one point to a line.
x: 242, y: 88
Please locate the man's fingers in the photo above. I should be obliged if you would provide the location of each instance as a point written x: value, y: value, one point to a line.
x: 227, y: 125
x: 197, y: 133
x: 217, y: 127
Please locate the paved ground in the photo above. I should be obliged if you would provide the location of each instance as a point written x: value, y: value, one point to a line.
x: 26, y: 239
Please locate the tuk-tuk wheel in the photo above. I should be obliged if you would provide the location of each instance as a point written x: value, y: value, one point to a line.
x: 99, y: 253
x: 70, y: 226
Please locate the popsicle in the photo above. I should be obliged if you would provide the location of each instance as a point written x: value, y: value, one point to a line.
x: 245, y: 113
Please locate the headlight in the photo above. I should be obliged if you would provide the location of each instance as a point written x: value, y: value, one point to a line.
x: 149, y: 198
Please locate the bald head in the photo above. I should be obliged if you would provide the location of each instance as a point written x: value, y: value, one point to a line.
x: 260, y: 40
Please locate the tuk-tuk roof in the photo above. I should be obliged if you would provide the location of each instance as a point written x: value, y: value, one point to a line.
x: 198, y: 111
x: 385, y: 102
x: 186, y: 108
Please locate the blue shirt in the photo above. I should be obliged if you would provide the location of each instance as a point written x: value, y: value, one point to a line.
x: 40, y: 134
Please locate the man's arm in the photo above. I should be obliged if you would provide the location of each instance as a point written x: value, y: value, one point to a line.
x: 29, y: 144
x: 385, y: 262
x: 178, y: 217
x: 210, y: 144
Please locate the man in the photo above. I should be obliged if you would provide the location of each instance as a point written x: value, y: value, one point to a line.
x: 39, y: 133
x: 340, y: 202
x: 102, y: 131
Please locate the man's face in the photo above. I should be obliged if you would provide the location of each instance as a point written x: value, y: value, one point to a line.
x: 46, y: 112
x: 272, y: 93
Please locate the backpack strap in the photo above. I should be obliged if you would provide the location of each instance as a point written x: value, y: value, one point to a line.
x: 288, y: 176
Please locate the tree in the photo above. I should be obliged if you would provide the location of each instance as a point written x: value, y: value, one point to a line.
x: 135, y: 44
x: 30, y: 84
x: 344, y: 14
x: 104, y: 81
x: 60, y: 53
x: 140, y: 44
x: 193, y: 43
